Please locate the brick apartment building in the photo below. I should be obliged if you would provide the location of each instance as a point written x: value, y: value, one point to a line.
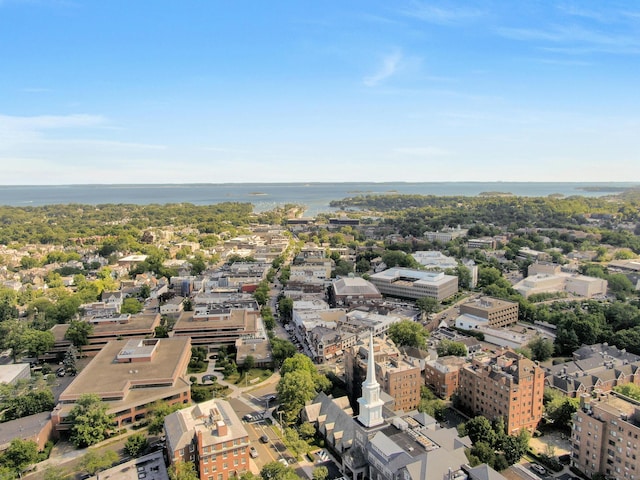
x: 211, y: 436
x: 442, y: 376
x: 397, y: 375
x: 605, y: 437
x: 507, y: 385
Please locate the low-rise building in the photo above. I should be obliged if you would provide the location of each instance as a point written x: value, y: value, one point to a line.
x: 497, y: 312
x: 129, y: 376
x: 211, y: 436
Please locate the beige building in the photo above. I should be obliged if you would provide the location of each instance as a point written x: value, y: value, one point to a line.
x: 129, y: 376
x: 497, y: 313
x: 605, y: 437
x: 211, y: 436
x: 219, y: 326
x: 508, y: 386
x: 580, y: 285
x: 414, y: 284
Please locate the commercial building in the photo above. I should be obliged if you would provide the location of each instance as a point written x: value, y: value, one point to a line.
x: 129, y: 376
x: 605, y: 437
x: 508, y: 386
x: 353, y: 291
x: 219, y: 326
x: 580, y: 285
x: 211, y: 436
x: 414, y: 284
x: 496, y: 312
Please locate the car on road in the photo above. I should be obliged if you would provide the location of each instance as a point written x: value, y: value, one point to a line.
x: 253, y: 452
x: 264, y: 439
x: 539, y: 469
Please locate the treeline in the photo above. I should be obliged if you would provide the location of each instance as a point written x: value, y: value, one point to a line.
x: 419, y: 213
x: 63, y: 224
x: 588, y: 322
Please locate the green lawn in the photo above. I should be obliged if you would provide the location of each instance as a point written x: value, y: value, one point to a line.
x: 249, y: 378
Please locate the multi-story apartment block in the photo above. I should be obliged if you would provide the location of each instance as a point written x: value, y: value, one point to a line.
x: 211, y: 436
x: 443, y: 375
x: 605, y: 437
x: 497, y: 313
x: 508, y: 386
x: 414, y: 284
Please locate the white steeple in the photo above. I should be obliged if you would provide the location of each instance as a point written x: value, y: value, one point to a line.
x: 370, y: 404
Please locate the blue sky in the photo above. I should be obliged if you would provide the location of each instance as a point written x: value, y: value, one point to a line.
x: 255, y: 91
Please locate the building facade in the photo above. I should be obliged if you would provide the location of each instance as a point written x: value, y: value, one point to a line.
x: 497, y: 313
x: 605, y: 437
x: 414, y: 284
x: 211, y: 436
x: 508, y: 386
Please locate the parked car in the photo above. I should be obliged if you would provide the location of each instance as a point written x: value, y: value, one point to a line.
x: 283, y: 461
x: 264, y: 439
x: 539, y: 469
x: 253, y: 452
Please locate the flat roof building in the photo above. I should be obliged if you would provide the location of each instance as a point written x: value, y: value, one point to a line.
x: 130, y: 375
x: 414, y: 284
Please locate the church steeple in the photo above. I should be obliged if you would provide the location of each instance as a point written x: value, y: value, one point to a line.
x: 370, y: 403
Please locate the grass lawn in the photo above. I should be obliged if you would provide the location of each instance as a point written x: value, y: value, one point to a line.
x: 252, y: 377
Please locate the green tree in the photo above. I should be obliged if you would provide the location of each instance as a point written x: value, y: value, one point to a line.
x: 69, y: 360
x: 19, y: 455
x: 90, y: 421
x: 78, y: 333
x: 541, y: 349
x: 158, y: 411
x: 281, y: 349
x: 295, y: 389
x: 37, y: 343
x: 277, y: 471
x: 12, y: 336
x: 320, y: 473
x: 285, y: 308
x: 92, y: 462
x: 408, y: 333
x: 183, y: 471
x: 427, y: 305
x: 249, y: 362
x: 131, y: 306
x: 479, y: 429
x: 307, y: 431
x: 484, y: 452
x: 136, y: 445
x: 449, y: 347
x: 629, y: 389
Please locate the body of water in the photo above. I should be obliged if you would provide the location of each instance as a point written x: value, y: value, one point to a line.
x: 316, y: 196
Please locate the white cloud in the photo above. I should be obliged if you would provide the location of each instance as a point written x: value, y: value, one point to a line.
x: 388, y: 68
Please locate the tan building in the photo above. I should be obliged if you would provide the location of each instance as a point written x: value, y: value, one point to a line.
x: 498, y: 313
x: 414, y: 284
x: 211, y: 436
x: 605, y: 437
x: 397, y: 374
x: 443, y: 375
x: 105, y: 330
x: 218, y: 326
x: 129, y: 376
x: 508, y: 386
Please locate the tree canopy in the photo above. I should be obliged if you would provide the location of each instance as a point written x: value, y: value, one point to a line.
x: 408, y: 333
